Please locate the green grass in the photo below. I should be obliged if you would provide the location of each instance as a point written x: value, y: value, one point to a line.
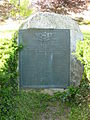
x: 34, y: 105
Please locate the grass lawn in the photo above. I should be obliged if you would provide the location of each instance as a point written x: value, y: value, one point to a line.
x: 34, y: 105
x: 6, y: 34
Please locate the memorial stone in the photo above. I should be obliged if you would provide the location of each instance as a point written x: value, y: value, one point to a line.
x: 54, y: 22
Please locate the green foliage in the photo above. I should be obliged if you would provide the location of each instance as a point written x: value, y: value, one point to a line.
x: 75, y: 95
x: 23, y: 9
x: 83, y: 54
x: 81, y: 21
x: 86, y: 22
x: 86, y: 35
x: 8, y: 77
x: 79, y: 113
x: 77, y: 100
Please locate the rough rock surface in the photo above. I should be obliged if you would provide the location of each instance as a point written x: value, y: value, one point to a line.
x: 57, y: 21
x: 76, y: 71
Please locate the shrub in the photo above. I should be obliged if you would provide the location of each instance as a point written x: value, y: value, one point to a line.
x: 8, y: 77
x: 83, y: 54
x: 60, y: 6
x: 75, y: 95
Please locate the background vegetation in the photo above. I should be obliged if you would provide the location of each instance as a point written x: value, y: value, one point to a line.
x: 14, y: 9
x: 8, y: 77
x: 21, y: 9
x: 60, y: 6
x: 83, y: 54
